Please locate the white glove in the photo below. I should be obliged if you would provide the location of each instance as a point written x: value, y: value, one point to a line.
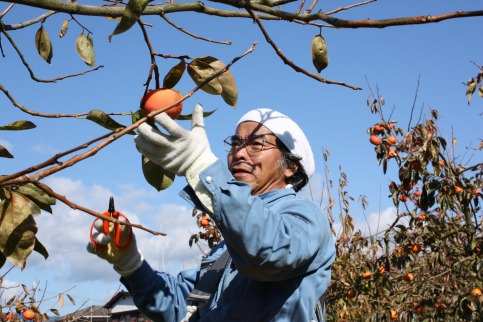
x: 178, y: 150
x: 125, y: 260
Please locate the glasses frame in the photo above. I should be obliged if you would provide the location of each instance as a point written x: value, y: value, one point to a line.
x: 248, y: 144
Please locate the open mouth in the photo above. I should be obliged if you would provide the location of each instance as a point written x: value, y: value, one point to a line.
x: 240, y: 169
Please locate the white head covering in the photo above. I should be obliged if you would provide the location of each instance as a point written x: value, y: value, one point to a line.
x: 286, y: 131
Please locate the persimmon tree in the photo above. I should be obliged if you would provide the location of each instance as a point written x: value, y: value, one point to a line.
x: 23, y: 193
x: 427, y: 265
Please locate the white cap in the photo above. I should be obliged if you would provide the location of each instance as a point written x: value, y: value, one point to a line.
x: 286, y: 131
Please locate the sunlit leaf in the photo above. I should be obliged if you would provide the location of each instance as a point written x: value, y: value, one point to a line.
x: 17, y: 230
x: 85, y: 49
x: 25, y: 289
x: 200, y: 71
x: 60, y: 301
x: 18, y: 126
x: 104, y: 120
x: 130, y: 15
x: 320, y: 57
x: 64, y: 28
x: 174, y: 75
x: 71, y: 299
x: 156, y: 176
x: 37, y: 196
x: 224, y: 84
x: 185, y: 117
x: 43, y: 44
x: 55, y: 311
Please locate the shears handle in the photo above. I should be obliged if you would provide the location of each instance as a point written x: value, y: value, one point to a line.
x: 117, y: 230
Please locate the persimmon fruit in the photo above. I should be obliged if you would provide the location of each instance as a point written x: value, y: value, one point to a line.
x: 374, y: 139
x: 157, y: 99
x: 205, y: 222
x: 394, y: 314
x: 28, y: 314
x: 392, y: 139
x: 408, y: 277
x: 476, y: 292
x: 378, y: 128
x: 367, y: 275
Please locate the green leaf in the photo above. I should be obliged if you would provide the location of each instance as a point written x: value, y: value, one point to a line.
x: 320, y: 58
x: 104, y: 120
x: 4, y: 153
x: 174, y: 75
x: 85, y: 49
x: 55, y: 311
x: 64, y: 28
x: 190, y: 116
x: 131, y: 14
x: 156, y: 176
x: 40, y: 248
x: 43, y: 44
x: 18, y: 126
x: 37, y: 196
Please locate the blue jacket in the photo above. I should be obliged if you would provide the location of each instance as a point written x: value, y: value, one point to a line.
x: 281, y: 251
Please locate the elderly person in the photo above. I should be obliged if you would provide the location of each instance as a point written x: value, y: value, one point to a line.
x: 277, y: 247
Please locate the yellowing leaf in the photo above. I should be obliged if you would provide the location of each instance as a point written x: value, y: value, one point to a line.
x: 104, y: 120
x: 320, y: 58
x: 131, y: 14
x: 85, y: 49
x: 18, y: 125
x: 224, y: 84
x: 60, y: 302
x: 64, y: 28
x: 18, y: 229
x: 199, y: 72
x: 43, y: 44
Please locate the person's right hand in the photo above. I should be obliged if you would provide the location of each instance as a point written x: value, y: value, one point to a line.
x: 125, y: 260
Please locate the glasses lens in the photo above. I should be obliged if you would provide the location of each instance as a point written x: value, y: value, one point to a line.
x: 230, y: 143
x: 255, y: 144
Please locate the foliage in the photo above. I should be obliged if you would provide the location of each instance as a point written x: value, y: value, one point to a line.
x: 428, y: 264
x: 30, y: 300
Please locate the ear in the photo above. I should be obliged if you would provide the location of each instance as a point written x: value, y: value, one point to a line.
x: 290, y: 171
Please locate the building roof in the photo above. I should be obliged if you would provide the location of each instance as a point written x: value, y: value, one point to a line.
x: 94, y: 311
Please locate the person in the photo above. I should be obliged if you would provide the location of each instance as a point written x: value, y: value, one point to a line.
x: 280, y: 245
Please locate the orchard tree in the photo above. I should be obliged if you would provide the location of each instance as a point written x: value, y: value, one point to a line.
x: 444, y: 244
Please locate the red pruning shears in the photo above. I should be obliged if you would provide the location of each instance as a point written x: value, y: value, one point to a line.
x: 111, y: 212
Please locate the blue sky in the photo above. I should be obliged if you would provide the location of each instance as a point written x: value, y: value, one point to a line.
x: 391, y: 60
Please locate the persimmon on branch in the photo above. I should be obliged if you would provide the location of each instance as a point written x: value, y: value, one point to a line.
x: 54, y: 165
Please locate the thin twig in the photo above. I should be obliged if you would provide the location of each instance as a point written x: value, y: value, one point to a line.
x: 163, y: 15
x: 288, y: 62
x: 32, y: 75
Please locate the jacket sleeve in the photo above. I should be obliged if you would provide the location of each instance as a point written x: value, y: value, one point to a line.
x: 271, y: 237
x: 159, y: 295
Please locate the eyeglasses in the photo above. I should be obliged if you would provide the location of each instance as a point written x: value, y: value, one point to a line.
x: 253, y: 144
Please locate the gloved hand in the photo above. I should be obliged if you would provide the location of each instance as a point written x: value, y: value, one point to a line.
x: 125, y: 260
x: 178, y: 150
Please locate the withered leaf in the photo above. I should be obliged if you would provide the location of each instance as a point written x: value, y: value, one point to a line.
x: 85, y: 49
x: 320, y: 57
x: 43, y: 44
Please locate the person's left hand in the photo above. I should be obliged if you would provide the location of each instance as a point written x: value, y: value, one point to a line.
x: 179, y: 149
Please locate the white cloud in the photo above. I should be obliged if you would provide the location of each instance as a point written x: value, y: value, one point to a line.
x: 7, y: 145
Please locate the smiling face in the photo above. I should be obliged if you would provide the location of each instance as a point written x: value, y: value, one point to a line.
x: 262, y: 170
